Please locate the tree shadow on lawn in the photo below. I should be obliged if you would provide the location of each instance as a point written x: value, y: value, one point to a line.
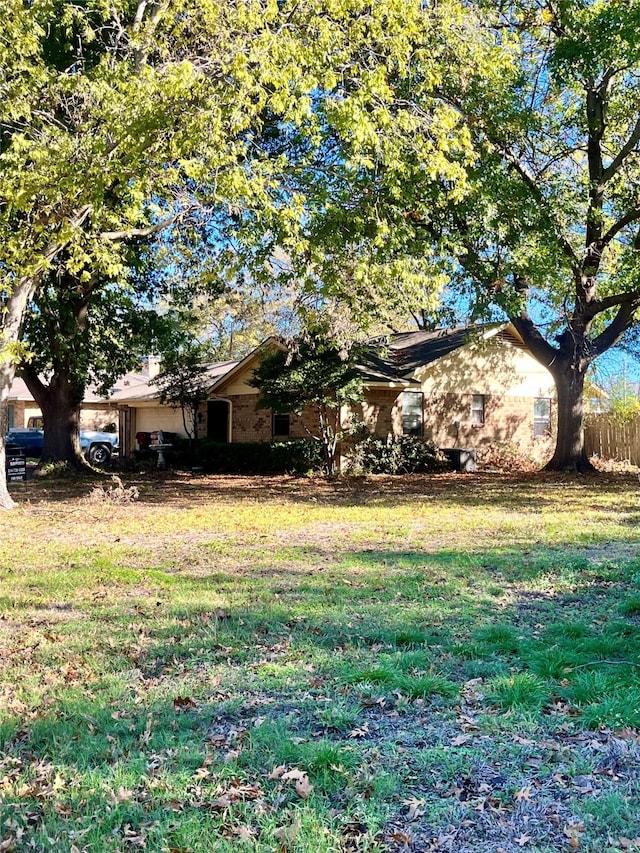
x: 161, y: 721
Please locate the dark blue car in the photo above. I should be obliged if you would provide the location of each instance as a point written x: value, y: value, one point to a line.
x: 98, y: 447
x: 30, y: 440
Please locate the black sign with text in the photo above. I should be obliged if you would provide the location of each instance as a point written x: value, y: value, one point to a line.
x: 16, y: 466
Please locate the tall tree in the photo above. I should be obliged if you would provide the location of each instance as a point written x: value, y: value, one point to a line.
x: 77, y: 333
x: 545, y: 230
x: 106, y: 113
x: 551, y: 230
x: 112, y: 116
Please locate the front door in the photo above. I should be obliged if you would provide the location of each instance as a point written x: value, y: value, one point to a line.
x: 218, y: 420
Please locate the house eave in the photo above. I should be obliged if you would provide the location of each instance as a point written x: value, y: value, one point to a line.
x: 241, y: 366
x: 400, y: 383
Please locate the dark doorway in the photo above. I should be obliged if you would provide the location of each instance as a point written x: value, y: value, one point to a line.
x: 218, y: 421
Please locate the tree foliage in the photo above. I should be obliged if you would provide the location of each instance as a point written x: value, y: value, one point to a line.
x: 509, y: 176
x: 117, y: 120
x: 314, y: 377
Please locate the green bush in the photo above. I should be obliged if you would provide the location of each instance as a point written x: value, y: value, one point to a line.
x: 398, y: 455
x: 290, y: 457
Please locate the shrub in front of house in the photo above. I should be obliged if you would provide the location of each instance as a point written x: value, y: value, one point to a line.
x: 397, y: 455
x: 260, y: 457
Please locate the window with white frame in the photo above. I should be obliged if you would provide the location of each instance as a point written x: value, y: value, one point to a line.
x: 411, y: 409
x: 541, y: 416
x: 478, y: 407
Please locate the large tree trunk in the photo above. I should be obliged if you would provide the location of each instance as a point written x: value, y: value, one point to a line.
x: 569, y: 454
x: 6, y: 378
x: 60, y: 409
x: 13, y: 310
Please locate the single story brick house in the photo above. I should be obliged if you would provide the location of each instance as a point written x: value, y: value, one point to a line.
x: 97, y: 412
x: 462, y: 387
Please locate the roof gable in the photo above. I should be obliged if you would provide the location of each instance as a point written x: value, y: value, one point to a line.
x: 396, y: 357
x: 242, y: 367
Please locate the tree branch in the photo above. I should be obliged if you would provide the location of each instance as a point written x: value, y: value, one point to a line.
x: 33, y: 382
x: 535, y: 190
x: 622, y: 155
x: 597, y: 306
x: 623, y: 320
x: 128, y: 233
x: 540, y: 348
x: 631, y: 216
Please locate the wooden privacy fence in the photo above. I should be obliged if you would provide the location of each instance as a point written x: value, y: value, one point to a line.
x: 610, y: 438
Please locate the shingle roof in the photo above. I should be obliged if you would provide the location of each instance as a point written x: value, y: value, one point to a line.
x: 144, y: 390
x: 394, y: 358
x: 20, y: 392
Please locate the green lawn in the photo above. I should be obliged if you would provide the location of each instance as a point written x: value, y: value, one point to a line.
x: 447, y: 663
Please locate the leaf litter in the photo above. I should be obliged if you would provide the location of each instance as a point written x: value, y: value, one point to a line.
x: 463, y: 777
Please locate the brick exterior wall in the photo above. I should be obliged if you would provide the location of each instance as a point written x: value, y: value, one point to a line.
x: 507, y: 418
x: 250, y: 423
x: 380, y: 412
x: 19, y: 413
x: 97, y: 416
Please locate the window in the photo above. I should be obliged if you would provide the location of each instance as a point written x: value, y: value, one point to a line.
x: 12, y: 417
x: 411, y: 407
x: 478, y: 409
x: 281, y: 424
x: 541, y: 416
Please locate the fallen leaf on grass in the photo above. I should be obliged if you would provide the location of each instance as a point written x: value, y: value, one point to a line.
x: 286, y: 835
x: 523, y: 840
x: 242, y: 833
x: 573, y: 831
x: 184, y: 703
x: 416, y: 809
x: 122, y: 796
x: 236, y: 792
x: 524, y: 794
x: 458, y: 741
x: 371, y: 701
x: 217, y: 739
x: 627, y: 734
x: 360, y: 731
x: 133, y: 838
x: 401, y: 837
x: 231, y: 755
x: 301, y: 780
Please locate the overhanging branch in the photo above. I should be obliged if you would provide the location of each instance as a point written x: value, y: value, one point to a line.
x: 617, y: 327
x: 597, y: 306
x: 630, y: 216
x: 129, y: 233
x: 629, y: 146
x: 539, y: 346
